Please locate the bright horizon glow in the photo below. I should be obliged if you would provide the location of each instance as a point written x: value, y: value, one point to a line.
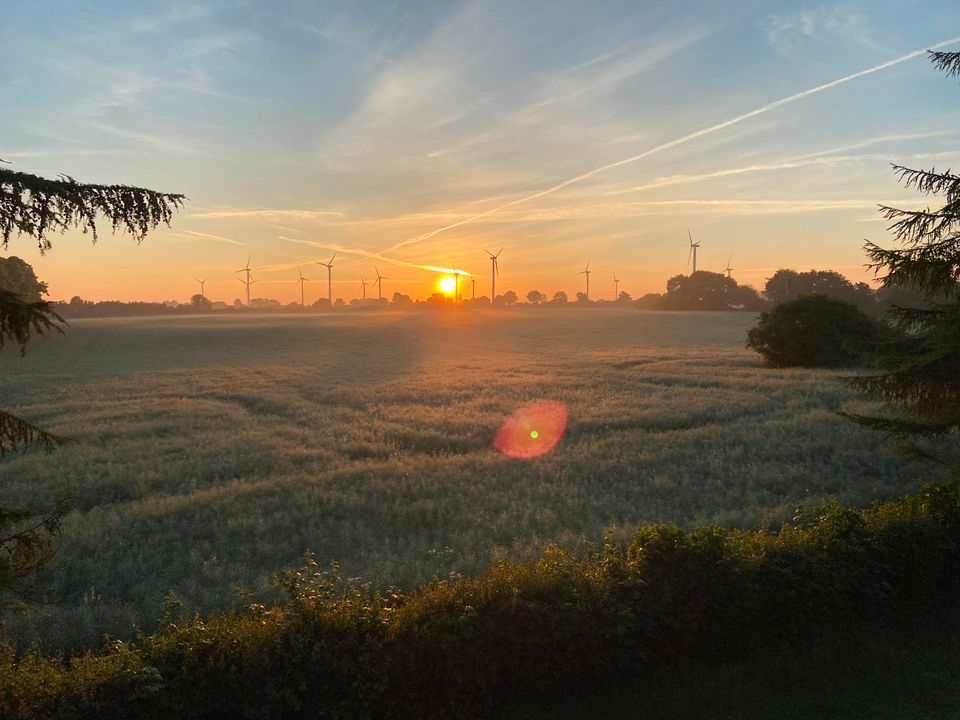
x: 415, y: 136
x: 447, y: 284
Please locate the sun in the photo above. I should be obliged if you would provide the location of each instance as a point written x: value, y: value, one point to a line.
x: 448, y: 284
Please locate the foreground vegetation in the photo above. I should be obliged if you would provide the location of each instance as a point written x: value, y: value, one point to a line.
x: 903, y: 666
x: 337, y: 649
x: 208, y: 454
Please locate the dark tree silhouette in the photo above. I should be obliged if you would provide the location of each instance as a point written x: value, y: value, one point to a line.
x: 786, y: 285
x: 36, y: 206
x: 921, y: 372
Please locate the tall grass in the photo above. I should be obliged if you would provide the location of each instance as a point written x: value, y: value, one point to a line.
x: 209, y: 453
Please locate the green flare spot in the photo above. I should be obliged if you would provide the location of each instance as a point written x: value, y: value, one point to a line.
x: 534, y: 434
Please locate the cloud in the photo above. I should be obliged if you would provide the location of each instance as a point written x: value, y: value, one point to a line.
x: 682, y: 140
x: 206, y: 236
x: 794, y: 33
x: 347, y: 250
x: 270, y: 213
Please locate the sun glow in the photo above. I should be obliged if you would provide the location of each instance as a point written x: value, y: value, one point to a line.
x: 448, y: 284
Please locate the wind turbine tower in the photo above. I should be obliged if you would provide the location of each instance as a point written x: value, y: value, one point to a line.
x: 473, y: 288
x: 329, y: 266
x: 300, y: 283
x: 363, y: 286
x: 728, y: 270
x: 202, y: 283
x: 247, y: 281
x: 693, y: 250
x: 616, y: 288
x: 379, y: 281
x: 587, y: 272
x: 494, y: 273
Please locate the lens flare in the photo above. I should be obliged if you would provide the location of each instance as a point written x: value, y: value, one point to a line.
x: 533, y: 430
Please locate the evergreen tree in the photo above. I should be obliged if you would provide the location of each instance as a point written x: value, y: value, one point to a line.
x: 920, y: 378
x: 36, y: 207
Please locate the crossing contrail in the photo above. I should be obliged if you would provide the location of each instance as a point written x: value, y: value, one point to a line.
x: 674, y: 143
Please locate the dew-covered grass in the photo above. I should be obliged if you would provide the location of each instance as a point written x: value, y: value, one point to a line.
x: 209, y: 453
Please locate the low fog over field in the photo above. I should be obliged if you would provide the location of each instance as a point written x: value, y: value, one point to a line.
x: 209, y: 453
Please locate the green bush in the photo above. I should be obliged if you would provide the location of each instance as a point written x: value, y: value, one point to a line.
x: 813, y: 331
x: 334, y: 649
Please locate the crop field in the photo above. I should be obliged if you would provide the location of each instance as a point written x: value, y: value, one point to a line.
x: 209, y: 453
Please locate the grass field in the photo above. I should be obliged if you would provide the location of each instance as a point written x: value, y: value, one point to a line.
x: 208, y: 453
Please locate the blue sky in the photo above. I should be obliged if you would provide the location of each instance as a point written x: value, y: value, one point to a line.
x: 413, y: 135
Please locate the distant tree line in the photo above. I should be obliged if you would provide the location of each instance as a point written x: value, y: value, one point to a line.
x: 702, y: 290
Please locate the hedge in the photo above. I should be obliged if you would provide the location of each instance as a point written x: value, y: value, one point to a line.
x: 336, y: 649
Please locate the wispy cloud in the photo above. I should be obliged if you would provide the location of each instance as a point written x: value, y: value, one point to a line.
x: 347, y: 250
x: 268, y: 214
x: 682, y: 140
x: 192, y: 234
x: 792, y: 34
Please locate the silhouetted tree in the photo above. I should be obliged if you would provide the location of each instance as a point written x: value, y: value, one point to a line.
x: 535, y: 297
x: 582, y: 298
x: 813, y: 331
x: 35, y: 206
x: 624, y: 297
x: 559, y: 297
x: 510, y: 298
x: 200, y: 302
x: 701, y: 290
x: 401, y: 300
x: 921, y: 378
x: 18, y: 277
x: 786, y: 285
x: 650, y: 301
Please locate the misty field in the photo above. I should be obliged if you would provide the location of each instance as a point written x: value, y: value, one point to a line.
x: 208, y: 453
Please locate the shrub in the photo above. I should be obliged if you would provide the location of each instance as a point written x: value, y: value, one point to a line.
x: 335, y: 650
x: 813, y: 331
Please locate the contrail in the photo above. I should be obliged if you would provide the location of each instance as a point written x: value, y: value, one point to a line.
x: 371, y: 255
x: 678, y: 141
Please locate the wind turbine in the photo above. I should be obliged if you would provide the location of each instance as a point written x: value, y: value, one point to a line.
x: 329, y: 266
x: 494, y: 273
x: 300, y: 283
x: 363, y: 286
x: 616, y: 288
x: 456, y: 284
x: 202, y: 283
x: 379, y: 283
x: 728, y: 270
x: 587, y: 272
x: 693, y: 250
x: 247, y: 282
x: 473, y: 287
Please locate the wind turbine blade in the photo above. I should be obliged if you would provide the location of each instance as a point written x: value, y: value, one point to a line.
x: 689, y: 254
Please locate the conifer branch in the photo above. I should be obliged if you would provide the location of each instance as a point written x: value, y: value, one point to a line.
x: 38, y: 206
x: 947, y: 62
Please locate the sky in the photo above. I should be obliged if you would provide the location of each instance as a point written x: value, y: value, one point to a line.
x: 415, y: 135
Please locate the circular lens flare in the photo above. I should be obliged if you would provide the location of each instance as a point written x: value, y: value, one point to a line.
x: 533, y: 430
